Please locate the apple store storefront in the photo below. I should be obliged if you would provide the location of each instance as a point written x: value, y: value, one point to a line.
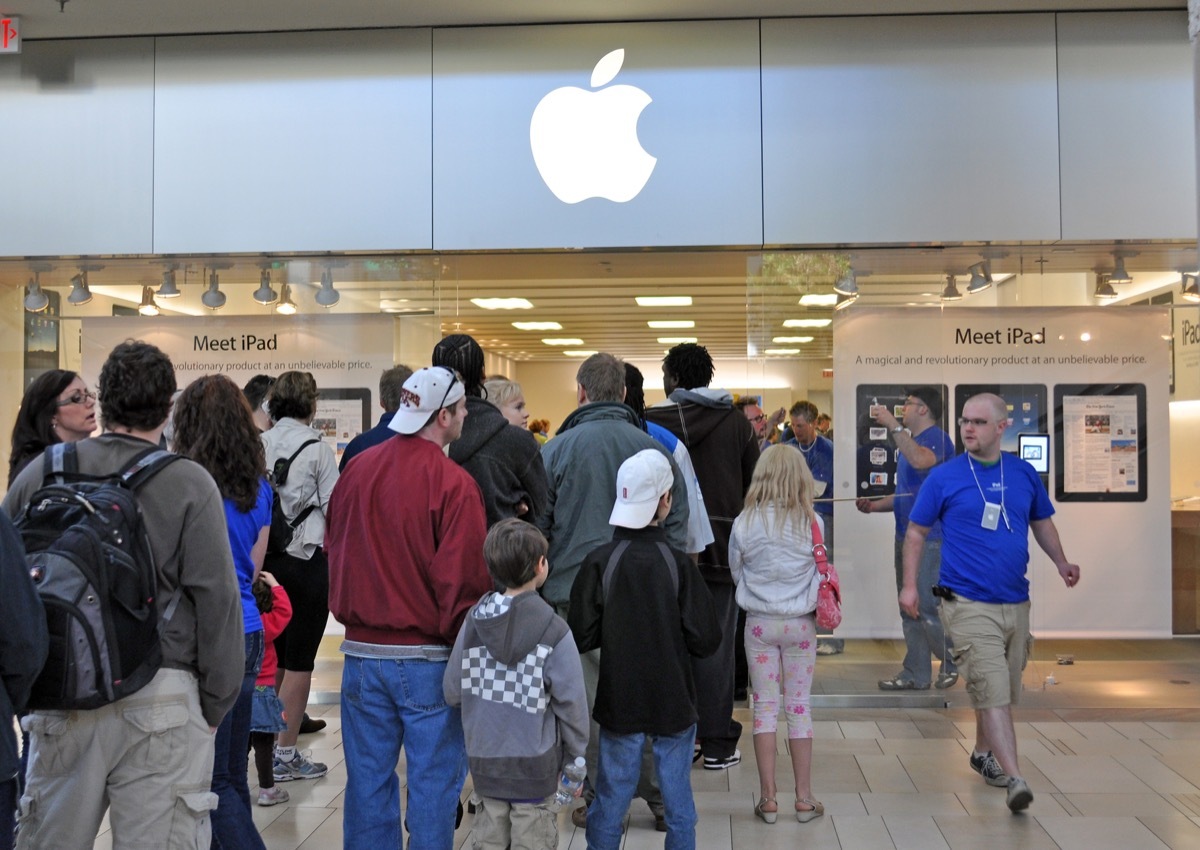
x: 837, y: 208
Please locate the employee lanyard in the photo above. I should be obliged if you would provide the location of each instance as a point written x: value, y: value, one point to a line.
x: 1003, y: 512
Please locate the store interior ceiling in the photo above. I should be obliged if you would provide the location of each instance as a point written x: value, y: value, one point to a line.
x: 743, y: 302
x: 93, y: 18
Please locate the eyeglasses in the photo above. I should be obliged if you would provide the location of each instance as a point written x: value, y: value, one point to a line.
x: 978, y: 423
x: 760, y: 418
x: 77, y: 397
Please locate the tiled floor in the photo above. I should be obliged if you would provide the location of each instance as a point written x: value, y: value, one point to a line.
x: 1111, y: 750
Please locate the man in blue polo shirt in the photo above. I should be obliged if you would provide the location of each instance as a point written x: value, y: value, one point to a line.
x: 391, y: 382
x: 987, y: 502
x: 922, y: 445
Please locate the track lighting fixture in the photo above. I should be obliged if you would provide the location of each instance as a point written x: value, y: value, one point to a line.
x: 148, y: 307
x: 1104, y: 290
x: 951, y: 293
x: 1119, y: 275
x: 327, y: 296
x: 35, y: 300
x: 265, y: 294
x: 213, y: 298
x: 285, y: 306
x: 168, y: 288
x: 981, y: 277
x: 80, y: 293
x: 847, y: 284
x: 1191, y: 291
x: 845, y: 301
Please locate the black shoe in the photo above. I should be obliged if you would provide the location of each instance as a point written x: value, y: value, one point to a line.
x: 722, y: 763
x: 991, y: 771
x: 660, y: 823
x: 308, y: 725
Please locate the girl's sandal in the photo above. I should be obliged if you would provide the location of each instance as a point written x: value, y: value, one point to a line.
x: 765, y: 816
x: 814, y: 811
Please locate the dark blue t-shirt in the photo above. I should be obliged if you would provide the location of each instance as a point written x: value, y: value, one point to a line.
x: 820, y: 462
x: 244, y: 529
x: 368, y: 439
x: 977, y: 563
x: 909, y: 479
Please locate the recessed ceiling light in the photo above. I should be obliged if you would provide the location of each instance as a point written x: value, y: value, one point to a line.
x: 575, y: 352
x: 672, y: 324
x: 664, y: 300
x: 783, y: 351
x: 564, y: 341
x: 537, y: 326
x: 807, y: 323
x: 792, y: 339
x: 502, y: 303
x: 676, y: 340
x: 814, y: 299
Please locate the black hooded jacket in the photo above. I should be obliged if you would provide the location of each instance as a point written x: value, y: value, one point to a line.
x: 504, y: 460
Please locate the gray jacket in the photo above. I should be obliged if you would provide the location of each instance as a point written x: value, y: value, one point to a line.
x: 515, y: 671
x: 581, y: 463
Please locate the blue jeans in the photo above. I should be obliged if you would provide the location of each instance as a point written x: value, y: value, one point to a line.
x: 925, y: 634
x: 388, y: 703
x: 232, y: 824
x: 620, y: 763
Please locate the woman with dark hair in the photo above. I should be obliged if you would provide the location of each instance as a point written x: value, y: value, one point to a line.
x: 57, y: 408
x: 214, y: 426
x: 502, y: 458
x: 303, y: 569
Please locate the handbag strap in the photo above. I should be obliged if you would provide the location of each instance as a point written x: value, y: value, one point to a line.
x: 818, y: 551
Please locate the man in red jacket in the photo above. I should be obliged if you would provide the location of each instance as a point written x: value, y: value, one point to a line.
x: 405, y: 538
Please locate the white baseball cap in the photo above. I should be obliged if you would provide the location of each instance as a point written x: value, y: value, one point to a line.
x: 641, y: 481
x: 426, y: 391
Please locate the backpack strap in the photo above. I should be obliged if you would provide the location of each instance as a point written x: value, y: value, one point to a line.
x: 144, y: 466
x: 58, y: 461
x: 281, y: 479
x: 611, y: 567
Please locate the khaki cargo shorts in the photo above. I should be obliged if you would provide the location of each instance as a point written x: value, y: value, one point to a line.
x: 991, y: 645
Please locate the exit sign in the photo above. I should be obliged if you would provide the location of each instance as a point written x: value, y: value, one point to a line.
x: 10, y: 35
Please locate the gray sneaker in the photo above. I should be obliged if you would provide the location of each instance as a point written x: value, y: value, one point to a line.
x: 1019, y: 795
x: 300, y: 767
x: 991, y: 771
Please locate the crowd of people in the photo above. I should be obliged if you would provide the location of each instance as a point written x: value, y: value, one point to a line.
x: 510, y: 603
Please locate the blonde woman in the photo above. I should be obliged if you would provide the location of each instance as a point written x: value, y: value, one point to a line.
x: 770, y: 555
x: 507, y: 396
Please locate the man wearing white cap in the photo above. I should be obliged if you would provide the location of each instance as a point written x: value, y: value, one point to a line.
x: 405, y: 539
x: 645, y: 605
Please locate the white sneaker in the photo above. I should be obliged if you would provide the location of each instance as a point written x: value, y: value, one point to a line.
x: 272, y: 796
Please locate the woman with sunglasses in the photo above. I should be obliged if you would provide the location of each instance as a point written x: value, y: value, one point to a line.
x: 57, y: 408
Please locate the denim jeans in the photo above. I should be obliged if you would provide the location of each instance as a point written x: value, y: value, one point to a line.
x: 232, y: 823
x: 389, y: 703
x: 620, y: 761
x: 925, y: 634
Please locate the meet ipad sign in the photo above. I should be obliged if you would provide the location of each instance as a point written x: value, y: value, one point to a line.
x: 585, y: 143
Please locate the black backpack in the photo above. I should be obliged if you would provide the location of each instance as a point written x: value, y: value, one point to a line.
x: 282, y: 528
x: 90, y: 559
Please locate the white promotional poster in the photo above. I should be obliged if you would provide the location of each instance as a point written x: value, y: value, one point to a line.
x: 1087, y: 391
x: 345, y: 354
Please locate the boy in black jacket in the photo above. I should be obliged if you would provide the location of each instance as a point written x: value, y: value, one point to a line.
x: 646, y: 606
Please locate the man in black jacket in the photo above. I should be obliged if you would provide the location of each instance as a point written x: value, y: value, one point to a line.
x: 23, y: 645
x: 724, y: 450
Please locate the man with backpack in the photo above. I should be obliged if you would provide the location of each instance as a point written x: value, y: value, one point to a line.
x: 146, y: 756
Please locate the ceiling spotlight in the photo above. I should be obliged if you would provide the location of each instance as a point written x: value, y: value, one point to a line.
x: 327, y: 296
x: 213, y: 298
x: 286, y: 306
x: 35, y: 300
x: 981, y: 278
x: 1191, y: 291
x: 1104, y: 290
x: 168, y: 288
x: 265, y: 295
x: 80, y: 294
x: 148, y: 307
x: 843, y: 302
x: 847, y: 284
x: 951, y: 293
x: 1119, y: 275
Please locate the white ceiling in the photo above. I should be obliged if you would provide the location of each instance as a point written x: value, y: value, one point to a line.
x: 91, y: 18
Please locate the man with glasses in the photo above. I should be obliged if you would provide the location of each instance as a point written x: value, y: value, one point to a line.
x: 765, y: 428
x: 987, y: 503
x: 922, y: 444
x: 405, y: 539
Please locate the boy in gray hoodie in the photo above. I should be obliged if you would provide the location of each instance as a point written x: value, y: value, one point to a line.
x: 516, y: 673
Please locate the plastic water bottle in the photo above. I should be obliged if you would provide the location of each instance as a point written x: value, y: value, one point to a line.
x: 570, y: 781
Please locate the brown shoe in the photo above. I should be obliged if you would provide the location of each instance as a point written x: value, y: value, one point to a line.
x: 579, y: 817
x: 308, y: 725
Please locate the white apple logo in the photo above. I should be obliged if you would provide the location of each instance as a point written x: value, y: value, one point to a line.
x: 585, y: 144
